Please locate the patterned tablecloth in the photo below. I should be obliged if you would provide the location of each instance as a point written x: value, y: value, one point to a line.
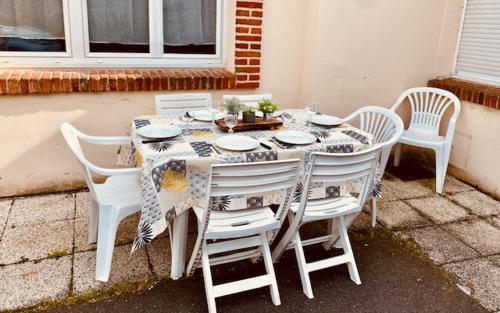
x: 175, y: 173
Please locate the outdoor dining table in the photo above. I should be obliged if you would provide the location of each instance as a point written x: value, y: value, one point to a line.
x: 175, y: 172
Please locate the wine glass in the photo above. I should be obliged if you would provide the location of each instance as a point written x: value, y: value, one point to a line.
x: 187, y: 118
x: 231, y: 120
x: 287, y: 118
x: 310, y: 109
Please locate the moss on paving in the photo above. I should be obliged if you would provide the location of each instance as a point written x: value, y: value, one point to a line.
x: 57, y: 254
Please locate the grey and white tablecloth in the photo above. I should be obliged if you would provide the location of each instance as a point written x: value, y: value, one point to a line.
x: 175, y: 173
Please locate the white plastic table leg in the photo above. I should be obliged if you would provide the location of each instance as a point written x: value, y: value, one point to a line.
x: 179, y: 240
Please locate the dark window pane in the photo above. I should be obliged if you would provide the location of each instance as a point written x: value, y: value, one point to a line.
x: 189, y: 26
x: 118, y: 26
x: 32, y: 25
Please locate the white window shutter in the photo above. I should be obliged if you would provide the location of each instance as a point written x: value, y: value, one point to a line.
x: 478, y: 55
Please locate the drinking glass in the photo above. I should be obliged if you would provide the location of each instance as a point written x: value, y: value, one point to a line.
x: 231, y: 120
x: 187, y: 118
x: 287, y: 118
x: 310, y: 109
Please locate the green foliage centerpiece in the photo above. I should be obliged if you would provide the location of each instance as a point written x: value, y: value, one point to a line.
x: 268, y: 107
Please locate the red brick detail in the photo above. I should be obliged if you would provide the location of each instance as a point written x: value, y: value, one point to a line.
x: 248, y: 43
x: 30, y: 81
x: 478, y: 93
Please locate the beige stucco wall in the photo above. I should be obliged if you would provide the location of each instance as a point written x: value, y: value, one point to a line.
x: 340, y: 55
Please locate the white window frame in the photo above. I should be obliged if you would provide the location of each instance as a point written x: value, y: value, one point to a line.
x: 479, y: 78
x: 77, y: 48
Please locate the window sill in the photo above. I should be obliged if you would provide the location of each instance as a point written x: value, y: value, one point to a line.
x: 49, y: 81
x: 482, y: 94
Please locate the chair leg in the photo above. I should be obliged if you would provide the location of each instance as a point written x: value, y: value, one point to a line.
x: 440, y: 169
x: 374, y: 211
x: 93, y: 222
x: 346, y: 245
x: 301, y: 262
x: 108, y: 224
x: 397, y: 154
x: 207, y: 277
x: 268, y: 262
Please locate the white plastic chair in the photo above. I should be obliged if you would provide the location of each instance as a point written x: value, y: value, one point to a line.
x: 386, y: 128
x: 250, y: 100
x: 118, y: 197
x: 428, y: 106
x: 329, y: 168
x: 178, y: 103
x: 247, y: 232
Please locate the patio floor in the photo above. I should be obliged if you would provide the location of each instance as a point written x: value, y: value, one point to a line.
x: 44, y: 255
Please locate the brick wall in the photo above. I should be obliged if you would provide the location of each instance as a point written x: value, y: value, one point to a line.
x: 248, y: 43
x: 478, y: 93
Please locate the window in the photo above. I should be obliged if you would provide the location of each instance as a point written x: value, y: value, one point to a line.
x: 479, y: 43
x: 111, y: 33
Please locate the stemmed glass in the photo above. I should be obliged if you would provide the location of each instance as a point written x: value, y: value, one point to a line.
x: 310, y: 109
x: 231, y: 120
x: 187, y: 118
x: 287, y: 118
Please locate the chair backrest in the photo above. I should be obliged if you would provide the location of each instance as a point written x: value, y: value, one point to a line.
x: 248, y: 178
x: 428, y: 106
x: 177, y: 103
x: 385, y: 126
x: 341, y: 168
x: 250, y: 100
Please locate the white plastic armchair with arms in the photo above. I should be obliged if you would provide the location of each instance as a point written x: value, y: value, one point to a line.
x: 226, y: 236
x: 386, y: 128
x: 118, y: 197
x: 428, y: 106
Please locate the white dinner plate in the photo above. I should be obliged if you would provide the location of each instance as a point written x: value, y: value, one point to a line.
x: 205, y: 115
x: 159, y: 131
x: 326, y: 120
x: 260, y: 114
x: 295, y: 137
x: 236, y: 143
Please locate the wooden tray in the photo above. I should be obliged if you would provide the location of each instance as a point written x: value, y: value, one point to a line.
x: 259, y: 124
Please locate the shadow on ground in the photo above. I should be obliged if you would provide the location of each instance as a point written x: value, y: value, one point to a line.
x: 394, y: 280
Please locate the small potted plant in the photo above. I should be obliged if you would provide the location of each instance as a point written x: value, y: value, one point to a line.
x: 249, y: 114
x: 233, y: 105
x: 268, y: 107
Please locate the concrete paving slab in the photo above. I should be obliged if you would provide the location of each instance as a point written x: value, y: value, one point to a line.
x: 125, y: 233
x: 387, y: 194
x: 4, y: 214
x: 439, y: 209
x: 407, y: 189
x: 36, y: 241
x: 477, y: 202
x: 125, y: 267
x: 478, y: 234
x: 495, y: 220
x: 29, y: 283
x: 83, y: 204
x: 159, y: 255
x: 37, y: 210
x: 495, y: 259
x: 451, y: 185
x: 440, y: 246
x: 481, y: 278
x: 399, y: 215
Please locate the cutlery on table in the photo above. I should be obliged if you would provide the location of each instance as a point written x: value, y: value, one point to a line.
x: 265, y: 146
x: 214, y: 148
x: 160, y: 140
x: 277, y: 143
